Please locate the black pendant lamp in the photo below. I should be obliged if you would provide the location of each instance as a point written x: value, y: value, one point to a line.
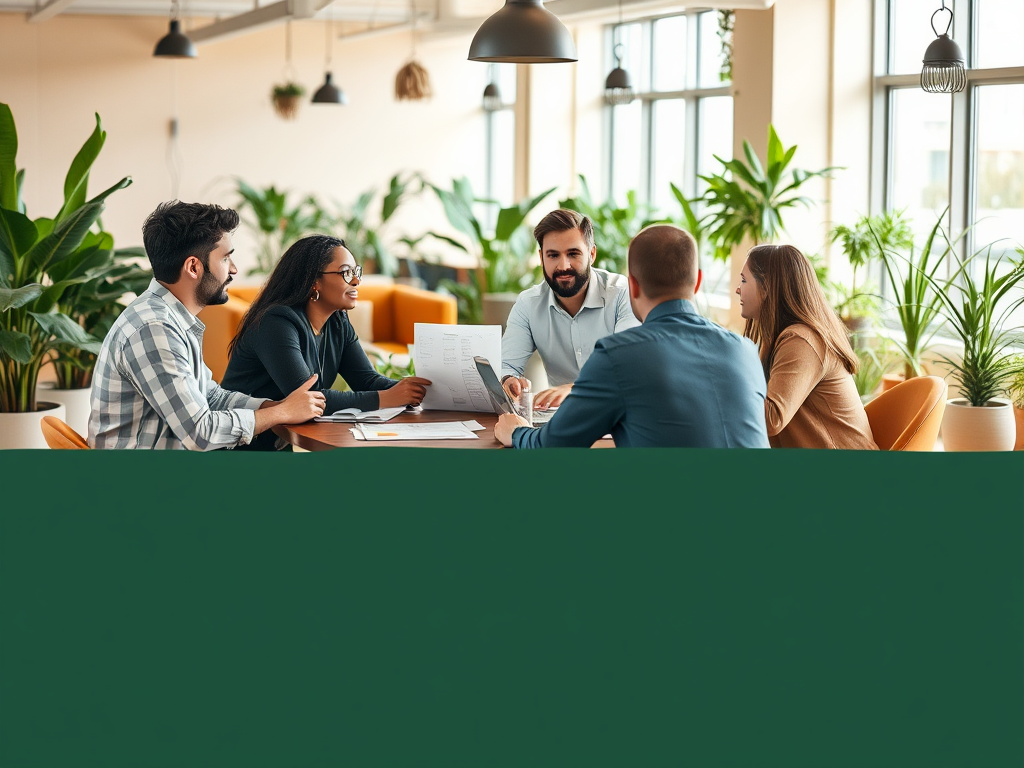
x: 943, y: 70
x: 329, y: 93
x: 618, y: 88
x: 523, y: 32
x: 492, y: 98
x: 175, y: 45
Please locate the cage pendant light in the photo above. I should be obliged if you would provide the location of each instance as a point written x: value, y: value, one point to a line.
x: 943, y: 70
x: 175, y: 44
x: 618, y: 88
x: 329, y: 93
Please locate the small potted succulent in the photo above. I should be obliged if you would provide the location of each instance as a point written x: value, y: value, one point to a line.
x: 286, y: 99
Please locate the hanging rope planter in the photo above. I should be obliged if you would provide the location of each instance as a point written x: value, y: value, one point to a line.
x: 412, y: 83
x: 287, y: 96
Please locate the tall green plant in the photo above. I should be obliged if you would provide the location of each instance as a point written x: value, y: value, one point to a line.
x: 614, y: 226
x: 977, y: 311
x: 749, y: 199
x: 504, y: 256
x: 912, y: 280
x: 277, y: 224
x: 32, y: 252
x: 368, y: 241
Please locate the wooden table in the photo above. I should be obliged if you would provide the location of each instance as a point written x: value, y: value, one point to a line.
x: 322, y: 436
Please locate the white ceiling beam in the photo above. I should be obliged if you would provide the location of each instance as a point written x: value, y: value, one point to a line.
x: 260, y: 17
x: 48, y: 11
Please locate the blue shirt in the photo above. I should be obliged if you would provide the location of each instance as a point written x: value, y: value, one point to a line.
x: 678, y: 380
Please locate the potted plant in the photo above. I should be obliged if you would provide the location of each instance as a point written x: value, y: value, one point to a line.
x: 94, y: 304
x: 31, y: 252
x: 916, y: 292
x: 747, y: 200
x: 286, y: 99
x: 369, y: 241
x: 504, y: 258
x: 858, y: 305
x: 976, y: 310
x: 876, y: 356
x: 1016, y: 393
x: 275, y: 223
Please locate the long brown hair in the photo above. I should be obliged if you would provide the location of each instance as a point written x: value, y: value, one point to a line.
x: 791, y: 294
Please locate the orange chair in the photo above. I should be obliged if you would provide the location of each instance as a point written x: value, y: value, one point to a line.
x: 60, y: 436
x: 396, y: 310
x: 907, y: 417
x: 221, y: 321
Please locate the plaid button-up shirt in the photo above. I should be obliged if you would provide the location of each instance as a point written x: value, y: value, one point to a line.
x: 151, y: 388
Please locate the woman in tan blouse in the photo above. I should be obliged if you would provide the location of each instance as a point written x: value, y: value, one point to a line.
x: 812, y: 401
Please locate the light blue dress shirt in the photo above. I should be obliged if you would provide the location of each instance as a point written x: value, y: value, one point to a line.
x: 537, y: 321
x: 678, y: 380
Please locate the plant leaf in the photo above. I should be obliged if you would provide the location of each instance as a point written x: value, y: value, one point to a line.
x: 77, y: 180
x: 16, y: 345
x: 8, y: 153
x: 12, y: 298
x: 64, y: 330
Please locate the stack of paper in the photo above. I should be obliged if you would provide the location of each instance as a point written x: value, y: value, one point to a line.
x: 440, y: 430
x: 354, y: 414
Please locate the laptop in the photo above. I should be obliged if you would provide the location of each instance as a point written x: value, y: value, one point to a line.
x: 500, y: 400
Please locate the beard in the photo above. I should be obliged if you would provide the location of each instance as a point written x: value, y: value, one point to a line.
x: 568, y: 291
x: 210, y: 292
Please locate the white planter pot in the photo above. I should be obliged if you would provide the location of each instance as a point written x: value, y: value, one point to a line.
x: 23, y: 430
x: 496, y: 307
x: 76, y: 404
x: 989, y: 427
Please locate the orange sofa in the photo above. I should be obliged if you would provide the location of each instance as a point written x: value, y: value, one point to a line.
x: 395, y: 310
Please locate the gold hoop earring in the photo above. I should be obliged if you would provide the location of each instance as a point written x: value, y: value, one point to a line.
x: 316, y: 296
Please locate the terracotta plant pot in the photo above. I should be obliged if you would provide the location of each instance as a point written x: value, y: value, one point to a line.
x: 988, y: 427
x: 1018, y: 417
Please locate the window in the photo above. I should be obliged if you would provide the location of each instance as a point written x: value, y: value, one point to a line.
x: 682, y: 115
x: 500, y: 144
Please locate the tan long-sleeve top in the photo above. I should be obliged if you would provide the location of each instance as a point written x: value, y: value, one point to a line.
x: 812, y: 400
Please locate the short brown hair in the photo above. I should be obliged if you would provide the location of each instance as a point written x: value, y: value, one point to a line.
x: 663, y: 260
x: 563, y: 220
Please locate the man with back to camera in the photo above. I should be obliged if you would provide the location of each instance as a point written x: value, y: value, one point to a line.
x: 151, y: 388
x: 563, y: 317
x: 678, y: 380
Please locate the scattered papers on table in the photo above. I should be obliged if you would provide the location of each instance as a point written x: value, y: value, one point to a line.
x: 354, y: 414
x: 439, y: 430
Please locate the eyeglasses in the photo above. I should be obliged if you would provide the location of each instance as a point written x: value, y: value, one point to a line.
x: 348, y: 274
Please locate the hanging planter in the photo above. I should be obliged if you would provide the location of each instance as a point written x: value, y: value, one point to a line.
x: 286, y: 99
x: 412, y: 83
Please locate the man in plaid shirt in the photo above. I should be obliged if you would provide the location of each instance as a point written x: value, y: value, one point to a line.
x: 151, y: 388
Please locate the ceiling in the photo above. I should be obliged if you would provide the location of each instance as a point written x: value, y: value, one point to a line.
x: 211, y: 20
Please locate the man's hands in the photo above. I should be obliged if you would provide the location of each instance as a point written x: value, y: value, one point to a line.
x: 408, y: 391
x: 551, y: 398
x: 514, y: 385
x: 506, y: 425
x: 300, y: 406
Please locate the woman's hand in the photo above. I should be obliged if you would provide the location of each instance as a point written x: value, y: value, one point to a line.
x: 408, y: 391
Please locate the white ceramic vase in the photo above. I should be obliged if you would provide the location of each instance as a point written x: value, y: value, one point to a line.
x: 23, y: 430
x: 76, y: 404
x: 989, y: 427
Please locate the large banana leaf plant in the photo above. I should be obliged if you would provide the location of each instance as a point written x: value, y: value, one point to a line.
x: 277, y: 224
x: 40, y: 260
x: 504, y: 256
x: 368, y: 242
x: 748, y: 199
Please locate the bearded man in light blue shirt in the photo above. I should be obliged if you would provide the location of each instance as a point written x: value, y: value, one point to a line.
x: 565, y: 316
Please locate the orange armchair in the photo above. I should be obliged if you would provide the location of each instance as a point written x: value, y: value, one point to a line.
x: 908, y: 416
x: 221, y: 321
x: 396, y: 310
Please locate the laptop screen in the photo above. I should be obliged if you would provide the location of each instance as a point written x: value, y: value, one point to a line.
x: 499, y: 397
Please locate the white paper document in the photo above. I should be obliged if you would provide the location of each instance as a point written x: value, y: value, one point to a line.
x: 453, y: 430
x: 444, y: 354
x: 354, y: 414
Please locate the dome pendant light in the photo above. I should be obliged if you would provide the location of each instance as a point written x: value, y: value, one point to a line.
x: 523, y: 32
x: 618, y: 88
x: 943, y: 70
x: 492, y: 98
x: 175, y: 45
x: 329, y: 93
